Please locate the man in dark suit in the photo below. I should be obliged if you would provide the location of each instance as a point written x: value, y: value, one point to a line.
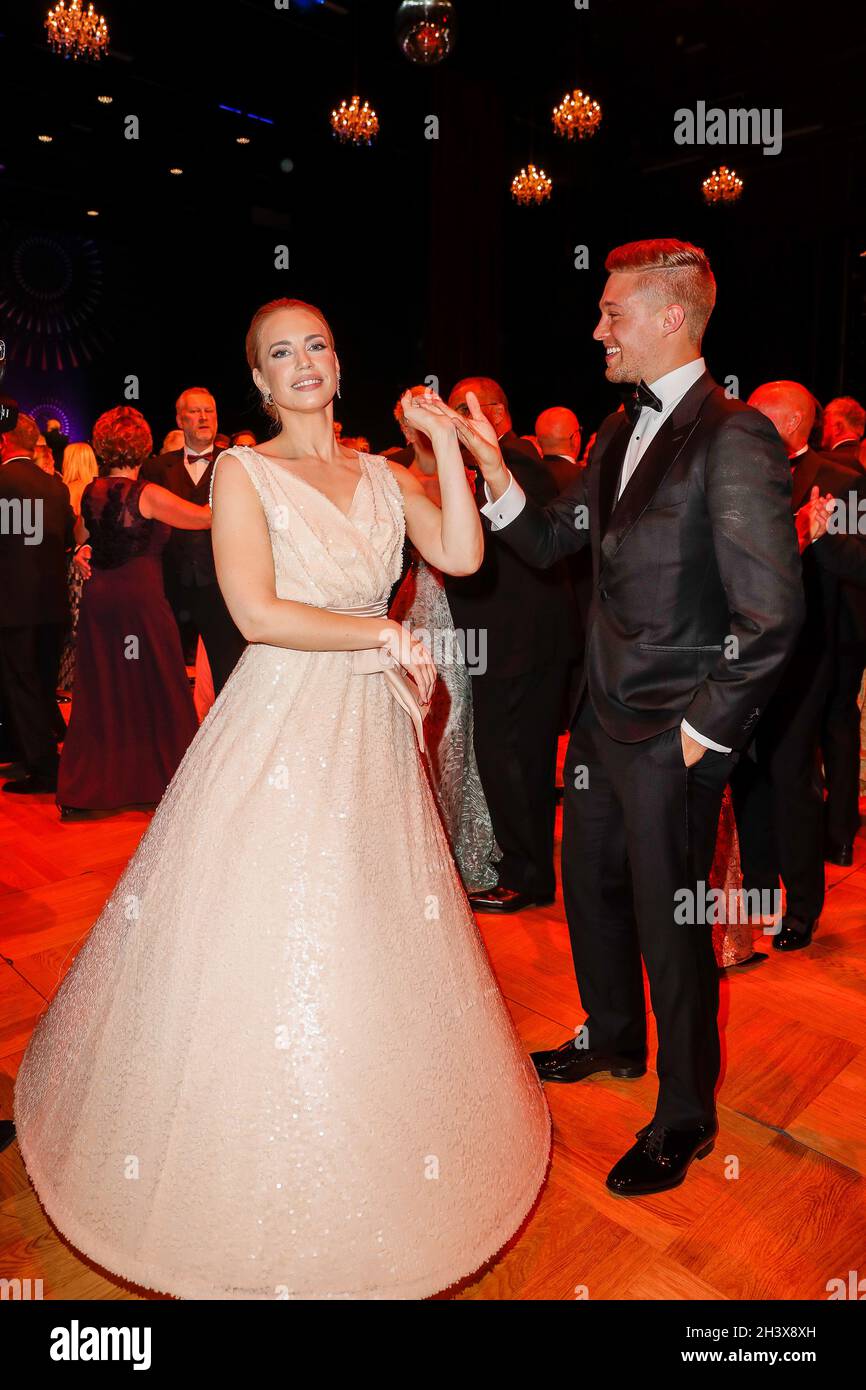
x: 36, y: 537
x: 191, y: 582
x: 779, y: 807
x: 558, y: 432
x: 843, y: 424
x: 527, y: 619
x: 696, y: 607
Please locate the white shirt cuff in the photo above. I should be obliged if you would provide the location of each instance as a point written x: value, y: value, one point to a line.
x: 702, y: 738
x: 506, y: 507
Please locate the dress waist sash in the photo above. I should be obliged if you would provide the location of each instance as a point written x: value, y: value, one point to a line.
x: 372, y: 661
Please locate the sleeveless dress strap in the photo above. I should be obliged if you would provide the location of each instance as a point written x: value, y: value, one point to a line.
x: 246, y: 458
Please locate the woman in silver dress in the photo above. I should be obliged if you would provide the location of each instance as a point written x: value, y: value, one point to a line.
x: 421, y: 603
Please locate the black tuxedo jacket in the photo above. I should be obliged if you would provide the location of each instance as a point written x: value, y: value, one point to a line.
x: 825, y: 563
x: 561, y: 469
x: 852, y: 606
x: 848, y: 454
x: 529, y: 616
x: 579, y: 565
x: 188, y: 555
x: 700, y: 548
x: 33, y: 577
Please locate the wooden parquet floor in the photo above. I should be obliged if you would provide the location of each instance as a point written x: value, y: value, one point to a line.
x: 777, y: 1210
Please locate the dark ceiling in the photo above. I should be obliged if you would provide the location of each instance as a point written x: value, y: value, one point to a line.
x: 414, y: 247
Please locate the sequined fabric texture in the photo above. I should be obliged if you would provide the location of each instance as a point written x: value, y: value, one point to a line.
x: 422, y: 603
x: 280, y: 1066
x: 732, y: 940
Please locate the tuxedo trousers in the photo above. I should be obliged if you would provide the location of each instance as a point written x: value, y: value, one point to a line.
x: 29, y: 666
x: 516, y: 723
x: 222, y: 640
x: 639, y: 833
x: 778, y: 804
x: 841, y: 744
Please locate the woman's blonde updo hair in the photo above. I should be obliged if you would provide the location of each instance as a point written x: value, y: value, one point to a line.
x: 254, y: 333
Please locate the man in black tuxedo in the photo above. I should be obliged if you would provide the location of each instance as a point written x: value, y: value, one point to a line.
x: 779, y: 807
x: 528, y: 620
x: 843, y: 425
x: 36, y: 537
x: 696, y: 606
x: 558, y: 432
x: 191, y: 582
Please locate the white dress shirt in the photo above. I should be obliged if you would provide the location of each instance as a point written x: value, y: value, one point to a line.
x: 670, y: 390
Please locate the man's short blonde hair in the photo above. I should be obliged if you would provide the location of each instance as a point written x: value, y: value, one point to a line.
x: 675, y: 272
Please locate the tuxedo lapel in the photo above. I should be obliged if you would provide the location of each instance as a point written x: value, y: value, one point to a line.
x: 609, y: 469
x: 661, y: 455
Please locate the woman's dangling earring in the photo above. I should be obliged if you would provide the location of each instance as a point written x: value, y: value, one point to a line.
x: 338, y: 385
x: 268, y: 398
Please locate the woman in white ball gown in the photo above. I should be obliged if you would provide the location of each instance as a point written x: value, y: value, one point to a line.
x: 280, y: 1065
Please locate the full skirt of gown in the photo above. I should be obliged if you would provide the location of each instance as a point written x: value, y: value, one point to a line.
x: 280, y: 1065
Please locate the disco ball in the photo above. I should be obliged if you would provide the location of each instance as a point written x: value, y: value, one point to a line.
x: 425, y: 30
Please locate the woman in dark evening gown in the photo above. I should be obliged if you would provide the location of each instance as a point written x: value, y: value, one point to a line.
x: 133, y: 715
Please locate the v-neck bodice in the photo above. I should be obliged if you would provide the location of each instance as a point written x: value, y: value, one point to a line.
x: 323, y: 555
x: 347, y: 514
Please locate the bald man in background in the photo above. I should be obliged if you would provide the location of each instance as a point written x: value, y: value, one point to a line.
x: 558, y: 433
x: 779, y: 807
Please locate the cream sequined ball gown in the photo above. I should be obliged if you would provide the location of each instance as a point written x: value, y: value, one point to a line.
x: 280, y: 1065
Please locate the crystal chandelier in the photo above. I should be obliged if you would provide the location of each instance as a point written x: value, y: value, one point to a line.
x: 577, y: 114
x: 531, y: 185
x: 76, y: 33
x: 722, y: 186
x: 355, y: 122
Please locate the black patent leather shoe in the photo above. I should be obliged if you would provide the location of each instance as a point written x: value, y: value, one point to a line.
x: 568, y: 1063
x: 660, y: 1159
x: 7, y: 1134
x: 794, y: 935
x: 839, y: 852
x: 500, y: 899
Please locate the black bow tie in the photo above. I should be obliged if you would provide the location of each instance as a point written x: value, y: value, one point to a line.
x: 197, y: 458
x: 638, y: 398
